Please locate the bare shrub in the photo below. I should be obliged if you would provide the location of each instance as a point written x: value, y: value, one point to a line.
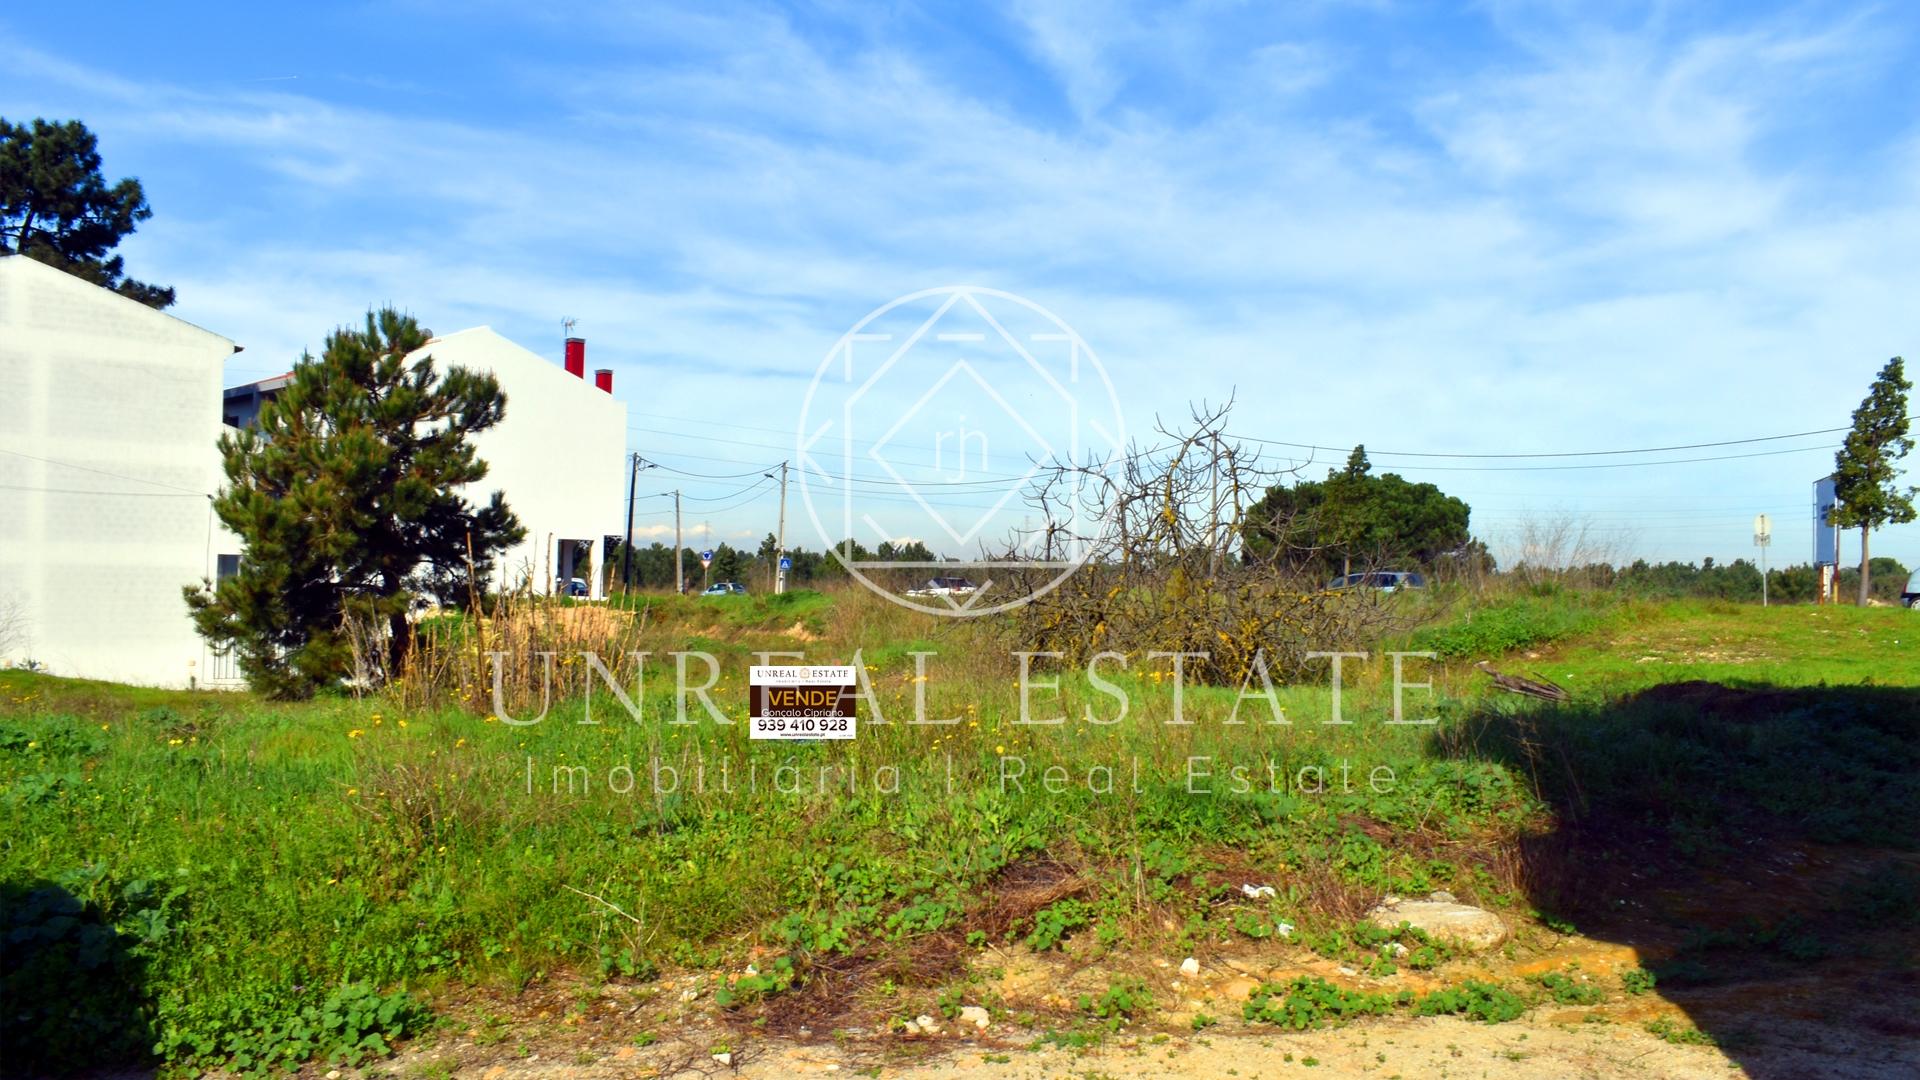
x: 1168, y: 568
x: 13, y: 626
x: 1564, y: 548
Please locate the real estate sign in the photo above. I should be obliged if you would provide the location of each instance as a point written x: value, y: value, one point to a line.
x: 814, y: 702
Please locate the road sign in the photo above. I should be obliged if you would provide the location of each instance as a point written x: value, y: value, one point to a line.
x: 1762, y: 529
x: 786, y: 563
x: 706, y: 558
x: 1826, y: 538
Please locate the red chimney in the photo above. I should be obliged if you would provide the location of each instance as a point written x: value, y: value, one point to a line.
x: 603, y: 378
x: 577, y: 357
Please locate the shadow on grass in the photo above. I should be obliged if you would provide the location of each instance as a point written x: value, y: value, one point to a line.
x: 72, y: 997
x: 1755, y: 845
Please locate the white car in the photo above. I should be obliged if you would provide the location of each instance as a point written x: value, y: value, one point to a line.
x: 944, y: 586
x: 1383, y: 580
x: 1911, y: 594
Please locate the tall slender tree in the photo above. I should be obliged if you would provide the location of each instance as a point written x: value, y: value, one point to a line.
x: 347, y: 498
x: 1868, y: 463
x: 57, y: 208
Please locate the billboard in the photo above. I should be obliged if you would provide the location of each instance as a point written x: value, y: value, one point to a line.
x: 1826, y: 538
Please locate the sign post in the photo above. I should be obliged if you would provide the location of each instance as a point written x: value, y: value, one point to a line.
x: 706, y: 568
x: 1826, y: 541
x: 1762, y: 536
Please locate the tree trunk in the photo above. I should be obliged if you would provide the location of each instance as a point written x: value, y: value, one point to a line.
x: 1863, y: 566
x: 399, y: 637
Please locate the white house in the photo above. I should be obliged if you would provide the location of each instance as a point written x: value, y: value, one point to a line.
x: 559, y: 456
x: 109, y: 411
x: 110, y: 414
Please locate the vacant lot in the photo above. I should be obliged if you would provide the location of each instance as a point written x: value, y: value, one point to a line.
x: 1712, y: 842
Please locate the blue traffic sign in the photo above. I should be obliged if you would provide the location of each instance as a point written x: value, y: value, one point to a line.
x: 786, y: 563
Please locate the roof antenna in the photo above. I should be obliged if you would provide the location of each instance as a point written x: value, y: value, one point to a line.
x: 566, y: 327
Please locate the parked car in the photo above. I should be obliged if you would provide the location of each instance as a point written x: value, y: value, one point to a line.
x: 725, y: 588
x: 574, y: 587
x: 944, y: 586
x: 1384, y: 580
x: 1911, y: 594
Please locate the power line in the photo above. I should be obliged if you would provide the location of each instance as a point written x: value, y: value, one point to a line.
x: 95, y: 491
x: 103, y: 472
x: 720, y: 498
x: 756, y: 497
x: 707, y: 476
x: 1607, y: 465
x: 1551, y: 453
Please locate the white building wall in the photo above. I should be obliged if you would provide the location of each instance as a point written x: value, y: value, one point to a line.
x: 559, y: 455
x: 109, y: 412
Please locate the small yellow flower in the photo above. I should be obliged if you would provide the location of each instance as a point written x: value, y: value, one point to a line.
x: 355, y: 733
x: 999, y: 749
x: 353, y: 791
x: 174, y: 742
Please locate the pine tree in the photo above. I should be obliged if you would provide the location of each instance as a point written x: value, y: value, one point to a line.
x: 57, y: 208
x: 346, y: 497
x: 1868, y: 463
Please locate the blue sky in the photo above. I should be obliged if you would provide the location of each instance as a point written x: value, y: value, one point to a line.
x: 1488, y: 228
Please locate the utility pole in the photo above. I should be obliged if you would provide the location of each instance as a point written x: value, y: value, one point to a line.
x: 679, y: 581
x: 626, y: 554
x: 634, y: 465
x: 780, y: 540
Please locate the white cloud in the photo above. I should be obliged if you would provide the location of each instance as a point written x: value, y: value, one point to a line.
x: 1596, y: 240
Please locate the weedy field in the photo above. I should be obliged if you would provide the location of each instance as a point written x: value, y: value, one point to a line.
x: 1712, y: 841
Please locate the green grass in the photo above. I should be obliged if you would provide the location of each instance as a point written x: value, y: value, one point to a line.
x: 249, y: 863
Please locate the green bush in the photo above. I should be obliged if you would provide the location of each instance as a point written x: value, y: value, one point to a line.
x: 1310, y: 1002
x: 72, y: 994
x: 1508, y: 625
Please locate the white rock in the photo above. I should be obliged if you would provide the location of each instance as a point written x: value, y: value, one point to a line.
x: 975, y: 1015
x: 1256, y: 892
x: 1443, y: 896
x: 723, y: 1057
x: 1284, y: 929
x: 333, y: 1074
x: 689, y: 995
x: 1189, y: 967
x: 1396, y: 948
x: 751, y: 970
x: 1458, y: 924
x: 928, y: 1024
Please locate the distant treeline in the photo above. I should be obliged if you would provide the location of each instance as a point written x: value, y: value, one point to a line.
x: 1740, y: 580
x: 651, y: 567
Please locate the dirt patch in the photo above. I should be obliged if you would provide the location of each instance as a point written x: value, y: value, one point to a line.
x: 1020, y: 890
